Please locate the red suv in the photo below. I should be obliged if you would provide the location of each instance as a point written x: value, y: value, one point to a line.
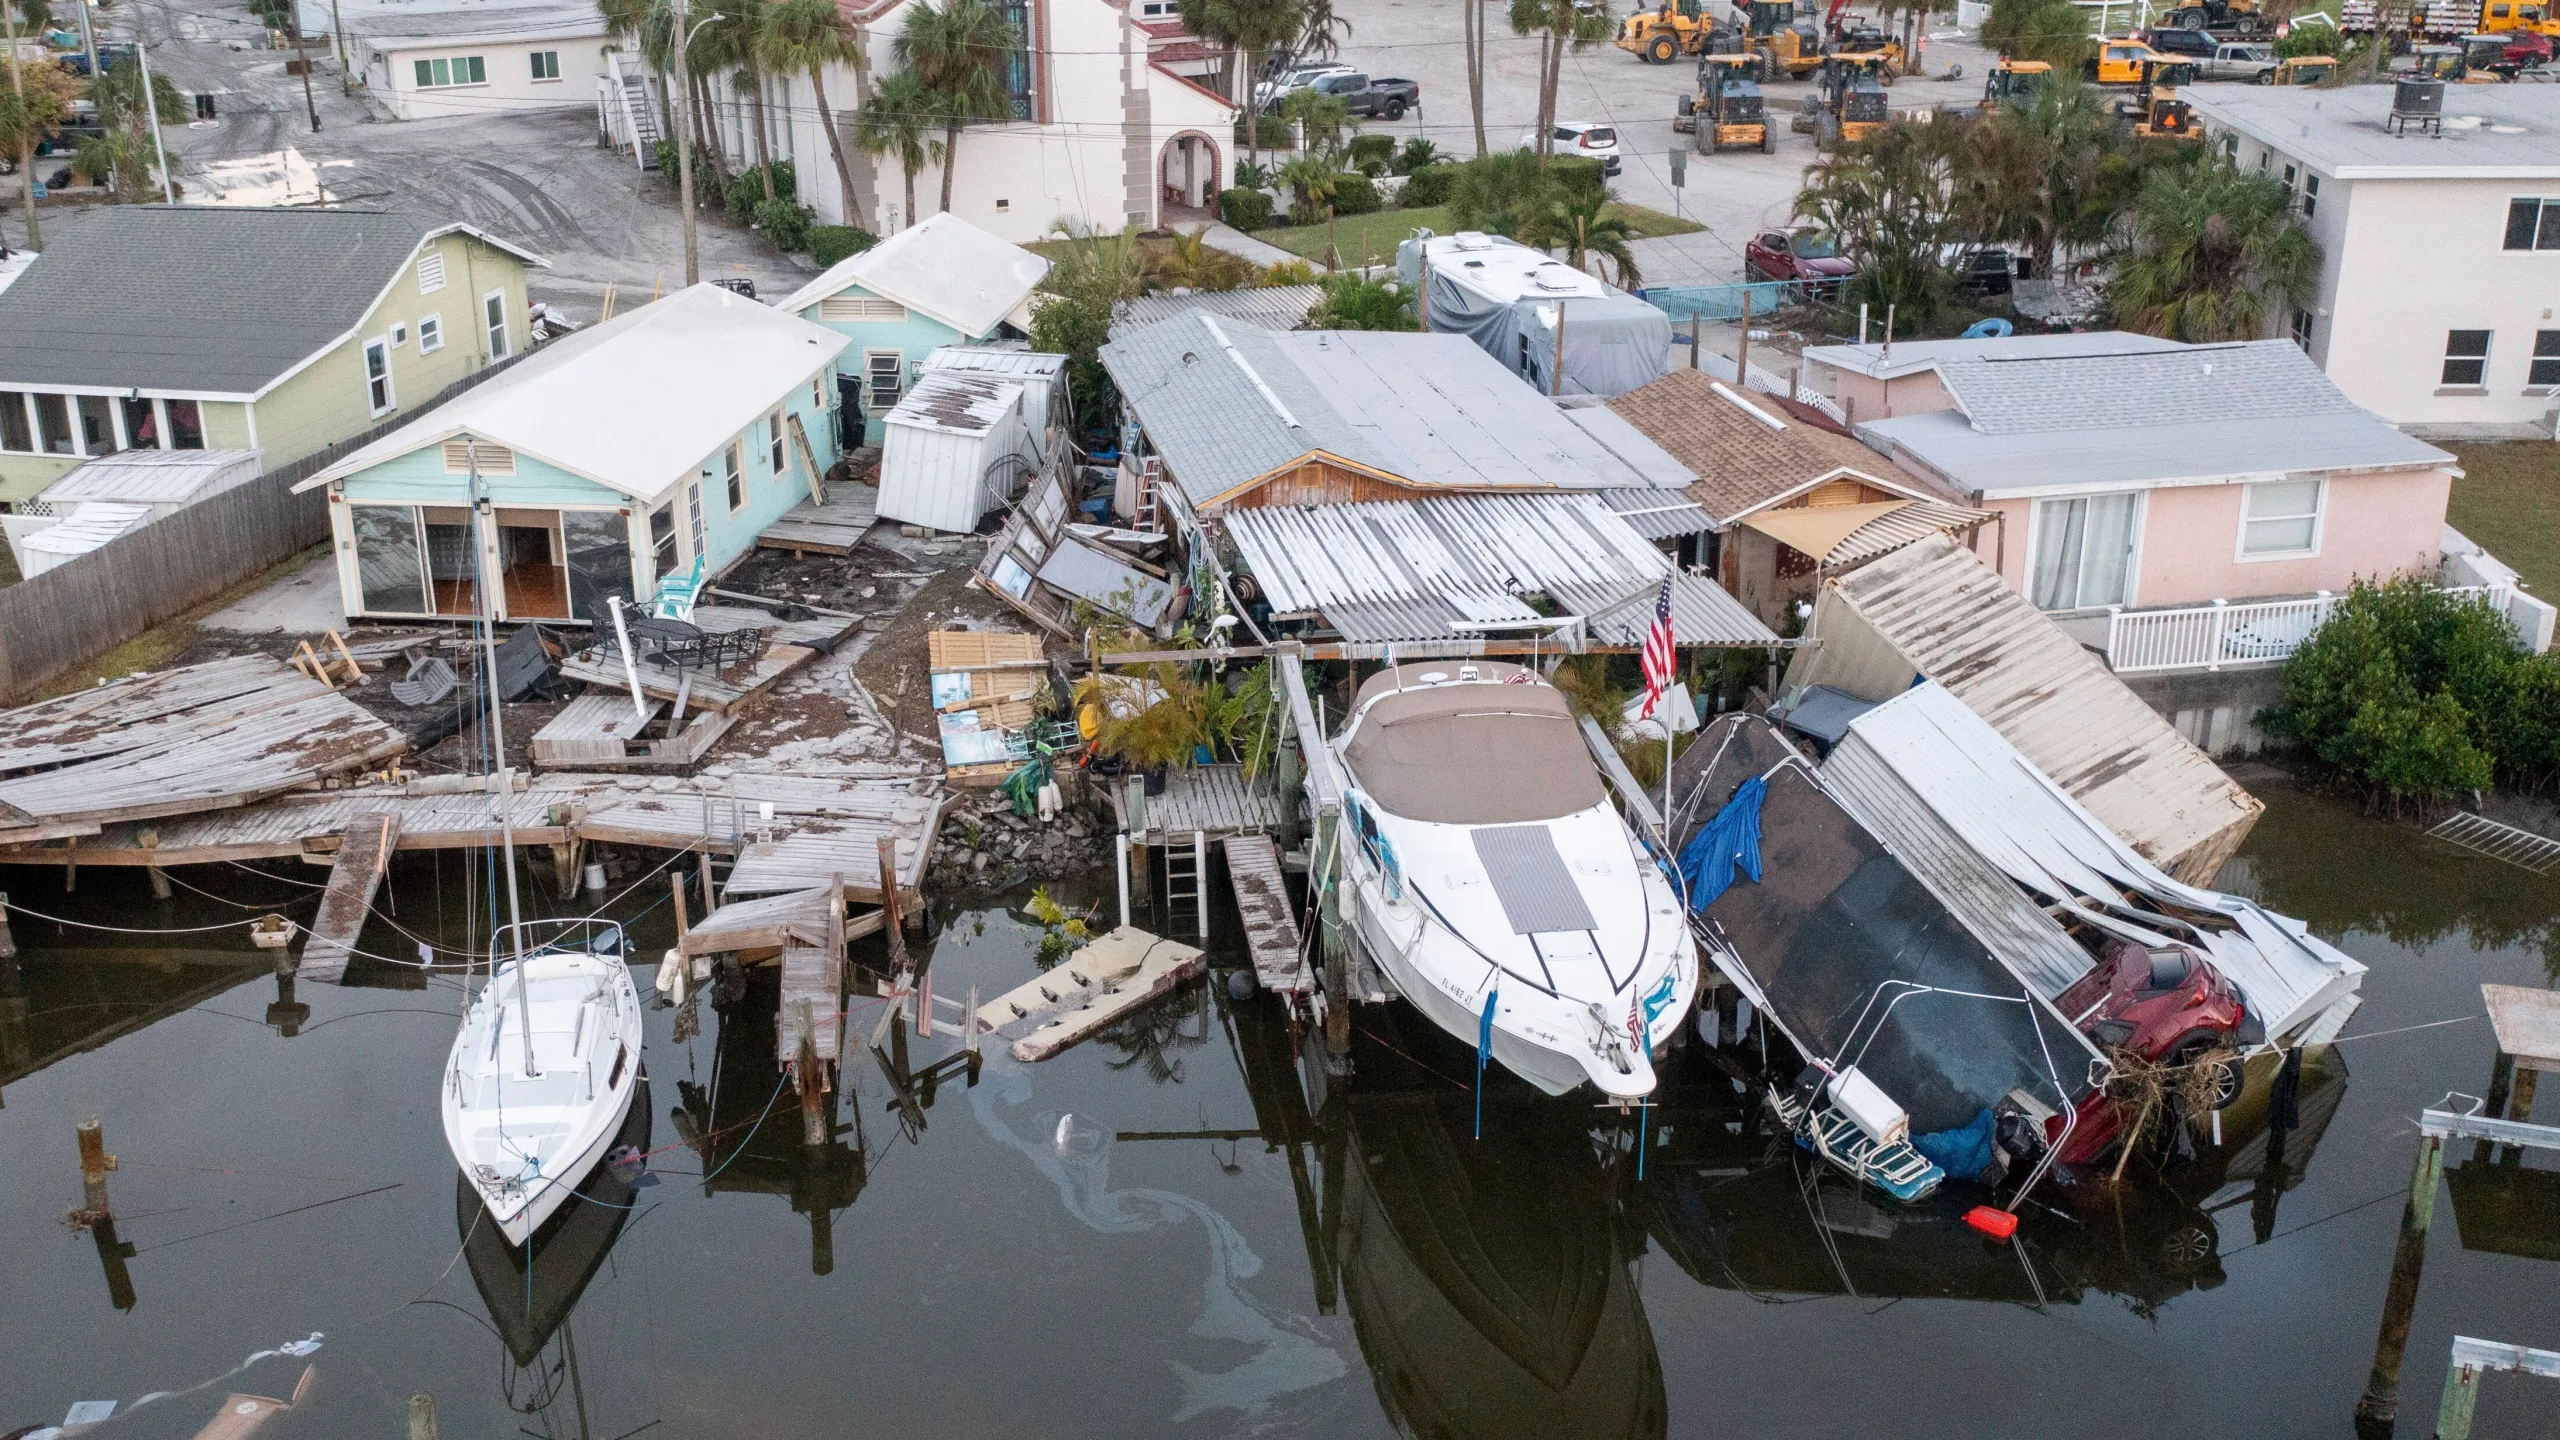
x: 2166, y: 1004
x: 1806, y: 255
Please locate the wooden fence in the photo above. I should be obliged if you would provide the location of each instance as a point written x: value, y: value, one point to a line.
x: 92, y: 603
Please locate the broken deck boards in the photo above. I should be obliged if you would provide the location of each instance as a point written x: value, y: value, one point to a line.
x: 772, y: 922
x: 1270, y: 929
x: 1106, y: 980
x: 834, y: 528
x: 812, y: 1008
x: 199, y: 737
x: 2527, y: 1022
x: 364, y: 854
x: 1216, y: 800
x: 719, y: 691
x: 601, y: 728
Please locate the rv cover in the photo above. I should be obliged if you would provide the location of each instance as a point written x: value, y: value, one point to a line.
x: 1612, y: 343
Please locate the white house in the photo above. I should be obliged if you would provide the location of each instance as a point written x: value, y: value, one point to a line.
x: 2439, y: 296
x: 1107, y: 130
x: 431, y: 59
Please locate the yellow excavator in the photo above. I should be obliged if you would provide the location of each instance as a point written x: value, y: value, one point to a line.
x: 2155, y: 108
x: 1785, y: 46
x: 2015, y: 82
x: 1854, y: 105
x: 1678, y: 27
x: 1729, y: 111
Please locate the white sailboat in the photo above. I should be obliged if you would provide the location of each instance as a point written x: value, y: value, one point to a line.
x: 1481, y: 861
x: 545, y: 1065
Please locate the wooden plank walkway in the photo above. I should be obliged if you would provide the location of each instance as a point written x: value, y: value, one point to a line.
x: 600, y: 728
x: 773, y: 922
x: 851, y: 509
x: 1106, y: 980
x: 812, y: 1008
x: 722, y: 693
x: 364, y: 854
x: 1270, y: 929
x: 1215, y: 800
x: 174, y: 742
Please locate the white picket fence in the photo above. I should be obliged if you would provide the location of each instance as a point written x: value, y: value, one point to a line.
x: 2209, y: 637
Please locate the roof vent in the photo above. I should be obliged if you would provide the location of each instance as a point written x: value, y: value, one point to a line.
x: 1556, y: 277
x: 1472, y: 240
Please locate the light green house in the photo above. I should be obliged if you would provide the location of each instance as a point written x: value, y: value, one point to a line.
x: 196, y: 327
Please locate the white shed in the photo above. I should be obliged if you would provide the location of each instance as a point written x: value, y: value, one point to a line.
x: 85, y: 529
x: 1046, y: 407
x: 955, y: 448
x: 167, y: 481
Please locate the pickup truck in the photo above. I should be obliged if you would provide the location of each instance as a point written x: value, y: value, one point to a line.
x: 2254, y: 63
x: 1383, y: 98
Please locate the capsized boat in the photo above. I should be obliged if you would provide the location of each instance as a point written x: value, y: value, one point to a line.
x: 543, y: 1071
x: 1482, y: 861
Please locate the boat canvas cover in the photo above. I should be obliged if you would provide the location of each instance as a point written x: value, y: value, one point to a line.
x: 1472, y: 753
x: 2015, y: 817
x: 1837, y: 928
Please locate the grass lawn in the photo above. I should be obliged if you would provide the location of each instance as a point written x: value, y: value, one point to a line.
x: 2508, y: 500
x: 1366, y: 236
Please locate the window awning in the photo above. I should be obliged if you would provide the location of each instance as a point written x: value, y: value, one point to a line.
x: 1843, y: 535
x: 1818, y: 529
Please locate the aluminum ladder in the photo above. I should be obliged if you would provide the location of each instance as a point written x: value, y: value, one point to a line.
x: 1186, y: 881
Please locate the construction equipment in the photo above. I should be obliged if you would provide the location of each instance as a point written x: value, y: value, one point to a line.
x: 2120, y: 61
x: 1867, y: 42
x: 1730, y: 112
x: 1678, y: 27
x: 1853, y: 101
x: 2014, y: 82
x: 2155, y: 108
x: 2238, y: 18
x: 2304, y: 70
x: 1772, y: 31
x: 2509, y: 15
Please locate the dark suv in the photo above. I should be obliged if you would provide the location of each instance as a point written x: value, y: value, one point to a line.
x: 2192, y: 44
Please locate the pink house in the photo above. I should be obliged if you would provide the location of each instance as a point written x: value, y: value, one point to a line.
x: 2173, y: 506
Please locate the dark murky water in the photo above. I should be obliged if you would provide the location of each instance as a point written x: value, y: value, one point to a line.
x: 1149, y: 1235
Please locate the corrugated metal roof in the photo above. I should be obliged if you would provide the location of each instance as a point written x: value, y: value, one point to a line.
x: 957, y: 403
x: 1957, y: 623
x: 1659, y: 514
x: 88, y: 527
x: 154, y: 477
x: 1437, y: 568
x: 994, y: 360
x: 1888, y: 533
x: 1271, y: 307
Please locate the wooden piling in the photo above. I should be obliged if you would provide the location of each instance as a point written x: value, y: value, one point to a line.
x: 895, y: 924
x: 149, y: 839
x: 2521, y: 1106
x: 710, y: 901
x: 95, y: 1162
x: 684, y: 926
x: 1325, y: 876
x: 8, y: 942
x: 2380, y: 1403
x: 422, y: 1416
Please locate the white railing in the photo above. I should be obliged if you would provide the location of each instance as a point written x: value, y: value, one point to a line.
x: 2209, y: 637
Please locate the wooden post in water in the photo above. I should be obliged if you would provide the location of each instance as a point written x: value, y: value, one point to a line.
x: 564, y: 855
x: 1325, y: 875
x: 710, y: 901
x: 422, y: 1416
x: 95, y: 1162
x: 2380, y: 1404
x: 895, y: 927
x: 150, y: 840
x: 8, y: 942
x: 684, y: 925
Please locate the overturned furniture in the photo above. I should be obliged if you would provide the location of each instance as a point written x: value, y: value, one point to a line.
x: 679, y: 686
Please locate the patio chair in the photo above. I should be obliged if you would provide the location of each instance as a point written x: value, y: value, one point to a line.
x: 677, y: 594
x: 429, y: 680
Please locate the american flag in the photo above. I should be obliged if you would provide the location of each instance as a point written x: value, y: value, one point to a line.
x: 1657, y: 657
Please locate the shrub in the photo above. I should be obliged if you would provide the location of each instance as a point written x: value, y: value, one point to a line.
x: 785, y: 222
x: 1371, y: 154
x: 706, y: 182
x: 1244, y: 209
x: 831, y: 243
x: 746, y: 191
x: 1271, y: 132
x: 1352, y: 302
x: 1251, y: 176
x: 1426, y: 187
x: 1353, y: 194
x: 1287, y: 272
x: 1417, y: 154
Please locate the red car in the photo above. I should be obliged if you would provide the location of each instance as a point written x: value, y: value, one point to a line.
x: 1806, y: 255
x: 2162, y: 1004
x: 2527, y: 49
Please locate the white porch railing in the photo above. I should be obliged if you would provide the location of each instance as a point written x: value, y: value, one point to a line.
x: 2209, y: 637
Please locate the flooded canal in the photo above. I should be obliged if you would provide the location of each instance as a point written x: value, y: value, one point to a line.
x: 1149, y: 1234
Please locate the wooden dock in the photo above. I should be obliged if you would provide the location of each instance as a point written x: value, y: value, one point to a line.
x: 1212, y: 800
x: 364, y: 856
x: 831, y: 528
x: 600, y: 728
x: 1106, y: 980
x: 1270, y: 930
x: 795, y: 643
x: 174, y: 742
x: 809, y: 1022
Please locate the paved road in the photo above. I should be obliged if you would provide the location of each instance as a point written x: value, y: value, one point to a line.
x: 1732, y: 194
x: 537, y: 178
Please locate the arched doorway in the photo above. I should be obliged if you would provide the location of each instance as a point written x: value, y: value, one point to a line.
x: 1187, y: 178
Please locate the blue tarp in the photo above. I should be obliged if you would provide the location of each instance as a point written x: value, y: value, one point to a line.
x: 1964, y: 1152
x: 1732, y: 838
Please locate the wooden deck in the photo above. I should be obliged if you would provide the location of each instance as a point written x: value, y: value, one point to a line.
x: 201, y: 737
x: 773, y: 922
x: 1270, y: 929
x: 364, y: 854
x: 1106, y: 980
x: 1214, y: 800
x: 600, y: 728
x: 851, y: 509
x: 795, y: 643
x: 811, y: 1012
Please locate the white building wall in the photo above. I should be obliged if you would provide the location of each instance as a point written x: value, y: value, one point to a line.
x: 391, y: 74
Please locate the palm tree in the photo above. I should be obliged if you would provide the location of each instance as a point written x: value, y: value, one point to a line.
x: 1191, y: 263
x: 1576, y: 222
x: 1559, y: 25
x: 960, y: 53
x: 1248, y: 29
x: 32, y: 109
x: 1311, y: 178
x: 1890, y: 201
x: 900, y: 121
x: 2050, y: 174
x: 1498, y: 193
x: 743, y: 20
x: 809, y: 36
x: 2214, y: 253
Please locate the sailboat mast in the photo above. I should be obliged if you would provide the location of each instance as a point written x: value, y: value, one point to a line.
x: 505, y: 776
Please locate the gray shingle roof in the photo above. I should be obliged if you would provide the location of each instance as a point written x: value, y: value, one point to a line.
x: 2268, y: 379
x: 199, y: 297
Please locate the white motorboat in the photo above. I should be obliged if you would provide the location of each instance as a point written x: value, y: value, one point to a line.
x: 1482, y: 859
x: 542, y: 1075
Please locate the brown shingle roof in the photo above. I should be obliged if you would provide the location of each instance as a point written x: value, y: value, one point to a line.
x: 1742, y: 462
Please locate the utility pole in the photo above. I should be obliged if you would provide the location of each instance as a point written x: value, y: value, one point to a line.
x: 88, y: 41
x: 151, y: 107
x: 294, y: 14
x: 26, y: 180
x: 684, y: 146
x: 338, y: 33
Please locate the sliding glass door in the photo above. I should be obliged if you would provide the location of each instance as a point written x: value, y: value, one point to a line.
x: 388, y: 556
x: 2084, y: 551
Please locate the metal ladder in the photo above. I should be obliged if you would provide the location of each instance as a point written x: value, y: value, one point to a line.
x: 2537, y: 853
x: 1186, y: 881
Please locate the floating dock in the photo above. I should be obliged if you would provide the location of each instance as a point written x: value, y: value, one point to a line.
x: 1107, y: 980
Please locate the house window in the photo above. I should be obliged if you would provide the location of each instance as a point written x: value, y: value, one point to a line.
x: 431, y: 272
x: 886, y: 372
x: 493, y: 310
x: 97, y: 426
x: 430, y: 334
x: 2281, y: 517
x: 733, y: 475
x: 17, y: 430
x: 399, y: 334
x: 53, y: 424
x: 2546, y: 358
x: 818, y: 391
x: 2084, y: 551
x: 2533, y: 224
x: 186, y: 424
x: 662, y: 540
x: 773, y: 442
x: 1017, y: 63
x: 377, y: 375
x: 2466, y: 357
x: 546, y: 64
x: 2310, y: 195
x: 141, y: 424
x: 2302, y: 330
x: 442, y: 72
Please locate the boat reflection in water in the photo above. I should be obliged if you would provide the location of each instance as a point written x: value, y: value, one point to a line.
x: 530, y: 1291
x: 1491, y: 1282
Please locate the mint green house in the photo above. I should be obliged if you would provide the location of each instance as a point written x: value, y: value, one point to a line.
x: 207, y: 327
x: 607, y: 461
x: 943, y: 282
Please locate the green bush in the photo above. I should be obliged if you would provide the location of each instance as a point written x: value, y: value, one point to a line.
x: 785, y: 223
x: 1372, y: 154
x: 831, y: 243
x: 1271, y: 132
x: 1426, y: 187
x: 1244, y: 209
x: 1417, y: 154
x: 746, y: 190
x: 1352, y: 302
x: 706, y: 182
x: 1354, y: 194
